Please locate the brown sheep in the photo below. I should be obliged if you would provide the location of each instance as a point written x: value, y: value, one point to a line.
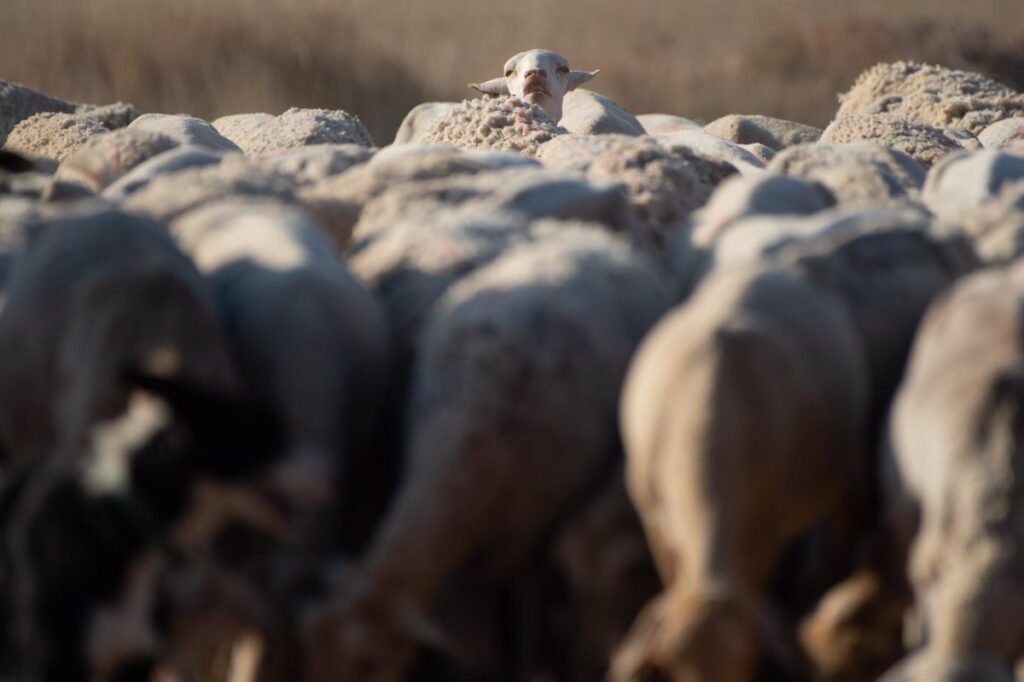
x: 743, y: 406
x: 952, y: 477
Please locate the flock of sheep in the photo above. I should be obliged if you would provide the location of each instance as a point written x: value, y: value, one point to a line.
x: 541, y: 391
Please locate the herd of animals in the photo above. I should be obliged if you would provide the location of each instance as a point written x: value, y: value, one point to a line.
x: 541, y: 391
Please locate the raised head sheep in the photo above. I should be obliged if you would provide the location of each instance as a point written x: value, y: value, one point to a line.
x: 516, y: 382
x: 745, y: 404
x: 952, y: 482
x: 540, y: 77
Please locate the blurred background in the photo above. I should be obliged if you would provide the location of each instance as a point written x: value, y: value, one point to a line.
x: 378, y: 58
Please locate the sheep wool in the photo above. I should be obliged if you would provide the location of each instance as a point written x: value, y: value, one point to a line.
x: 505, y: 123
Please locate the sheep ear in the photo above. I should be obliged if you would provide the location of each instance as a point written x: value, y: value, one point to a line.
x: 578, y: 78
x: 495, y: 86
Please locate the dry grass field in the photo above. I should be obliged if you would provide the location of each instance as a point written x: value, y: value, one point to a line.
x: 377, y: 58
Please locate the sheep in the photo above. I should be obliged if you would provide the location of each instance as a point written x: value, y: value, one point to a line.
x: 89, y: 541
x: 932, y: 95
x: 951, y: 474
x: 505, y: 123
x: 112, y: 116
x: 262, y: 134
x: 656, y: 124
x: 747, y: 402
x: 540, y: 77
x: 105, y: 158
x: 18, y: 103
x: 24, y: 175
x: 531, y: 192
x: 662, y: 187
x: 924, y: 143
x: 608, y: 574
x: 339, y: 200
x: 98, y: 465
x: 1006, y: 134
x: 171, y: 161
x: 711, y: 147
x: 311, y: 342
x: 996, y: 228
x: 186, y: 130
x: 774, y: 133
x: 75, y: 290
x: 53, y: 135
x: 963, y: 182
x: 170, y: 195
x: 763, y: 153
x: 314, y: 163
x: 588, y: 113
x: 17, y: 216
x: 420, y: 120
x: 858, y: 173
x: 516, y: 383
x: 743, y: 196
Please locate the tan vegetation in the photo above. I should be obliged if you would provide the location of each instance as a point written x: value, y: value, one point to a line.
x: 702, y: 58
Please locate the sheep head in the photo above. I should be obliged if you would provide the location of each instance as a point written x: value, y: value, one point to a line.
x: 540, y: 77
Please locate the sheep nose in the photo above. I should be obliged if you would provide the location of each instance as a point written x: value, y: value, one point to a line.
x: 537, y: 72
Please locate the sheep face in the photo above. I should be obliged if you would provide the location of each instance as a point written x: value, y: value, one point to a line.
x: 540, y: 77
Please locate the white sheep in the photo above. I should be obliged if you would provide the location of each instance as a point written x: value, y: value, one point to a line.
x: 588, y: 113
x: 859, y: 174
x: 517, y: 377
x: 746, y: 403
x: 962, y: 183
x: 103, y: 159
x: 953, y: 493
x: 1006, y: 134
x: 504, y: 123
x: 53, y: 135
x: 540, y: 77
x: 663, y: 188
x: 187, y: 130
x: 774, y: 133
x: 924, y: 143
x: 262, y: 134
x: 933, y: 95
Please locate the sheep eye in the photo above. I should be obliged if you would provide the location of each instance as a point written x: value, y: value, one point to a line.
x: 563, y: 69
x: 509, y: 73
